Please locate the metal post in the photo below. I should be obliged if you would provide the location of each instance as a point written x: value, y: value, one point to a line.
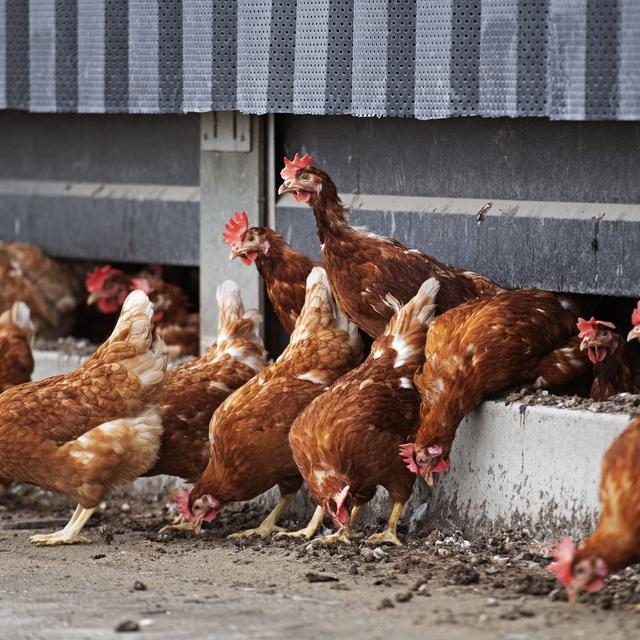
x: 232, y: 178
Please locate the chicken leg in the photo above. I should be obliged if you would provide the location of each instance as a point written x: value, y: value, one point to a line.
x: 70, y: 534
x: 345, y: 533
x: 310, y: 530
x: 268, y: 525
x: 389, y: 535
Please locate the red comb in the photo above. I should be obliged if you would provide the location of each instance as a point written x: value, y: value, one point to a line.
x: 236, y: 228
x: 97, y: 278
x: 291, y: 167
x: 407, y: 454
x: 588, y: 328
x: 563, y: 554
x: 635, y: 316
x: 181, y: 502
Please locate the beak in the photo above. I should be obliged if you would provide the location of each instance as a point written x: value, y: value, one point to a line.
x: 634, y: 334
x: 571, y: 596
x: 197, y: 525
x: 428, y: 478
x: 585, y: 344
x: 92, y: 299
x: 233, y: 254
x: 285, y: 187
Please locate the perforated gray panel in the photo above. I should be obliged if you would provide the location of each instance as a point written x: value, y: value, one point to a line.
x: 566, y: 59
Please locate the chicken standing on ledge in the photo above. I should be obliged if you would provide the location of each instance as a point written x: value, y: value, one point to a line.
x: 249, y: 432
x: 97, y: 427
x: 482, y: 348
x: 364, y: 268
x: 616, y: 364
x: 283, y: 269
x: 179, y: 329
x: 193, y: 391
x: 50, y: 289
x: 616, y: 542
x: 16, y: 335
x: 345, y: 442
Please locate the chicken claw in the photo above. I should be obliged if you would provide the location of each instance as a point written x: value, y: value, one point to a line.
x: 269, y: 524
x: 179, y: 525
x: 386, y: 537
x: 344, y: 534
x: 70, y: 534
x: 262, y: 531
x: 389, y: 535
x: 309, y: 531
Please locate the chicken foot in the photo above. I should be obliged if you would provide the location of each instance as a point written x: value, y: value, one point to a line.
x: 179, y: 524
x: 269, y: 524
x: 345, y: 533
x: 310, y: 530
x: 389, y: 535
x: 70, y: 534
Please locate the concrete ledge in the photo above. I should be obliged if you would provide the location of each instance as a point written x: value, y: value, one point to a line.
x: 526, y: 466
x: 53, y: 363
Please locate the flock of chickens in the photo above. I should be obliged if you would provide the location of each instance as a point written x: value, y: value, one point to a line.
x: 235, y: 424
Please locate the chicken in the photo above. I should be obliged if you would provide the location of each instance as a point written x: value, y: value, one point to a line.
x: 616, y: 363
x: 616, y: 542
x: 194, y: 390
x: 16, y: 334
x: 249, y: 432
x: 48, y: 288
x: 482, y: 348
x: 97, y: 427
x: 179, y: 329
x: 345, y: 442
x: 363, y: 267
x: 283, y: 269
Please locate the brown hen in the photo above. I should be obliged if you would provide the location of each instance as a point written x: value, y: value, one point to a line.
x: 363, y: 267
x: 193, y: 391
x: 616, y: 363
x: 616, y: 542
x: 178, y: 328
x: 16, y: 335
x: 97, y: 427
x: 345, y: 442
x: 50, y: 290
x: 482, y: 348
x: 249, y: 432
x: 283, y: 268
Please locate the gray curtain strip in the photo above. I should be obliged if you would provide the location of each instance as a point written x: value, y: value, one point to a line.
x: 564, y: 59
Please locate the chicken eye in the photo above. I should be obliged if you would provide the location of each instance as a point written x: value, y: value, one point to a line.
x: 305, y: 177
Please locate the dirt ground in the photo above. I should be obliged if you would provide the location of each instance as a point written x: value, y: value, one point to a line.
x: 133, y: 581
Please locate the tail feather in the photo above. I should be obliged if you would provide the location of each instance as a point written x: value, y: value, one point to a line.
x: 21, y: 316
x: 417, y: 313
x: 132, y: 342
x: 320, y: 311
x: 235, y: 324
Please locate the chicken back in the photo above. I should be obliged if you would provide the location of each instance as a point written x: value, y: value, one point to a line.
x: 97, y: 427
x: 16, y: 334
x: 250, y: 450
x: 345, y: 442
x: 616, y: 542
x: 364, y: 267
x: 482, y: 348
x: 193, y: 391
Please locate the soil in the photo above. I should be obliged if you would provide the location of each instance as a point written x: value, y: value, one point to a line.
x: 622, y: 403
x: 133, y: 580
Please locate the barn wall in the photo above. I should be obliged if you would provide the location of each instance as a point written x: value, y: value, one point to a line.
x: 117, y: 187
x: 563, y: 214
